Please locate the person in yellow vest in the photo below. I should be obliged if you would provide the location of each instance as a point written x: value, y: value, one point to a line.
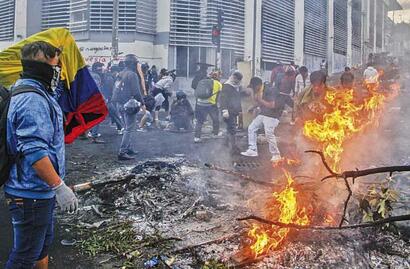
x: 208, y: 106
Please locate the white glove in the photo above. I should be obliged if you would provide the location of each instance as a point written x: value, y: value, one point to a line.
x: 66, y: 198
x: 225, y: 113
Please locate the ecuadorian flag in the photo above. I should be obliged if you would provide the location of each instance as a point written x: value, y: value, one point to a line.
x: 81, y: 101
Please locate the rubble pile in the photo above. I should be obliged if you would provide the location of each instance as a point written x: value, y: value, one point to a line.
x: 175, y: 214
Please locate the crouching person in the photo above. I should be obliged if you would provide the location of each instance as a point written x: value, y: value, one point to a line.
x: 182, y: 113
x: 35, y: 138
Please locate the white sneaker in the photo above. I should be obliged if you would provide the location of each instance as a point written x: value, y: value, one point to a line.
x: 220, y: 134
x: 276, y: 158
x: 90, y: 135
x: 197, y: 140
x: 249, y: 153
x: 121, y: 132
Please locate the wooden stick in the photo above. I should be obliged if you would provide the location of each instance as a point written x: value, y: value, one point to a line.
x: 358, y: 173
x: 308, y: 227
x: 94, y: 184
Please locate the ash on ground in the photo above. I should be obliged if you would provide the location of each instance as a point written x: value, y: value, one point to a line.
x: 185, y: 216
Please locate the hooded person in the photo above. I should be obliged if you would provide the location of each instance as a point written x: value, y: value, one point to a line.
x: 181, y: 112
x: 200, y: 74
x: 77, y: 94
x: 35, y: 139
x: 128, y: 93
x: 231, y: 107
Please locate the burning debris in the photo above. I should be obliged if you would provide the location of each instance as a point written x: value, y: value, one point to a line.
x: 174, y: 213
x: 338, y: 116
x: 286, y: 206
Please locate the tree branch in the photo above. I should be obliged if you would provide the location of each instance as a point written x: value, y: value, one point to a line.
x: 358, y: 173
x: 322, y: 156
x: 346, y: 202
x: 308, y: 227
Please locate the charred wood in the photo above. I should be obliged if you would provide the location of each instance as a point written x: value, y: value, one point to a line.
x: 308, y: 227
x: 359, y: 173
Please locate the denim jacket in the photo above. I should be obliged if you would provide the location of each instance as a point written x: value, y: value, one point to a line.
x: 34, y: 131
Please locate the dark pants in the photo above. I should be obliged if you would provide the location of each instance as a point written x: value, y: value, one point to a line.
x: 182, y: 123
x: 201, y: 112
x: 33, y: 223
x: 128, y: 138
x: 231, y: 129
x: 115, y: 118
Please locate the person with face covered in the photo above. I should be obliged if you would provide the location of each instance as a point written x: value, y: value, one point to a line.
x: 129, y: 95
x: 231, y: 107
x: 35, y: 138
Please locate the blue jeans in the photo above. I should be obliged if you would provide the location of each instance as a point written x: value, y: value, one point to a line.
x: 128, y: 137
x: 33, y: 223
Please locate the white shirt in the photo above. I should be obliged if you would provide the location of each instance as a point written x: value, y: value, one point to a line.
x: 299, y: 85
x: 370, y: 75
x: 164, y: 83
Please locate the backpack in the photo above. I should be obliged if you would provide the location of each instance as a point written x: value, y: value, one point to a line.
x: 5, y: 96
x: 205, y: 87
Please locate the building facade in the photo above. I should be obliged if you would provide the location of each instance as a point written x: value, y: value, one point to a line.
x: 177, y: 33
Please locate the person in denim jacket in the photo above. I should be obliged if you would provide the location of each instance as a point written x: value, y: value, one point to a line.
x: 35, y: 135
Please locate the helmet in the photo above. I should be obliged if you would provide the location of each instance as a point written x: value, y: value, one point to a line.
x: 130, y: 60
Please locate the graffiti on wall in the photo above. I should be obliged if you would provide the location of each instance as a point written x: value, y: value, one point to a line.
x: 97, y: 54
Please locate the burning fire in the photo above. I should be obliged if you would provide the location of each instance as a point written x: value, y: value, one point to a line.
x: 329, y: 220
x: 285, y: 209
x: 346, y: 117
x: 285, y: 161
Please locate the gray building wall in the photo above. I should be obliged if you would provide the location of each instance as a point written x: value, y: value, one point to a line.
x: 7, y: 16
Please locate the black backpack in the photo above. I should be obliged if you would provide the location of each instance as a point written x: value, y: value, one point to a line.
x: 5, y: 96
x: 204, y: 89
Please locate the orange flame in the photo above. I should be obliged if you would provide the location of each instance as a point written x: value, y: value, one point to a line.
x: 329, y: 220
x: 285, y: 202
x: 346, y: 116
x: 285, y: 161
